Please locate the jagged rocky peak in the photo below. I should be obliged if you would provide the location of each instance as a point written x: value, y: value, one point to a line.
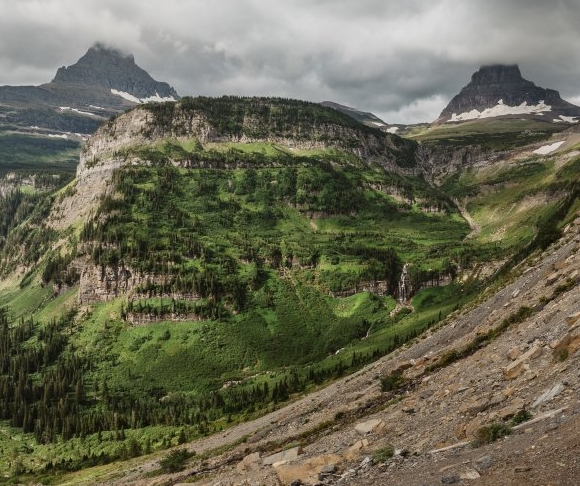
x: 111, y: 69
x: 499, y: 90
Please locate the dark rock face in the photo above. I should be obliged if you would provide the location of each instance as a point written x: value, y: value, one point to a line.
x: 504, y: 84
x: 111, y: 69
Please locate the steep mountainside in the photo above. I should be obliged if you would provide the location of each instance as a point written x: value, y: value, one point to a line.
x: 500, y: 91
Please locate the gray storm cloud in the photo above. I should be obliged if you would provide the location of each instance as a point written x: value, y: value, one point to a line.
x: 401, y: 60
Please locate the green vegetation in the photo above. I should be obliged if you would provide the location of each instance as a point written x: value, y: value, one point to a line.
x: 33, y: 154
x: 383, y: 454
x: 268, y: 118
x: 491, y: 433
x: 174, y: 461
x: 520, y: 417
x: 391, y: 382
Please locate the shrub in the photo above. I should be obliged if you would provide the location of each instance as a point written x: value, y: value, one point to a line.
x: 491, y: 433
x: 391, y: 382
x: 562, y: 354
x: 522, y: 416
x: 175, y: 460
x: 383, y: 454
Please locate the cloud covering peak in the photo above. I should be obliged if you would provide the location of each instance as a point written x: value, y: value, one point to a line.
x: 401, y: 60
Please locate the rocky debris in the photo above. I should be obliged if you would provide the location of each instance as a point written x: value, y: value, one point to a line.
x: 483, y: 463
x: 354, y: 451
x: 249, y: 463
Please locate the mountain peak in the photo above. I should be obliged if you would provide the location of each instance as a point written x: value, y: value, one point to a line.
x: 110, y: 68
x: 499, y: 90
x: 497, y: 73
x: 100, y: 50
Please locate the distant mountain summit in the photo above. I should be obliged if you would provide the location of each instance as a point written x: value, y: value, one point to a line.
x: 500, y: 91
x: 100, y: 84
x: 111, y: 69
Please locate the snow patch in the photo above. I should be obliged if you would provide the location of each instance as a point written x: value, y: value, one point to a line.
x: 134, y: 99
x: 126, y: 96
x: 546, y: 149
x: 569, y: 119
x: 378, y: 124
x: 502, y: 109
x: 157, y: 98
x: 392, y: 129
x: 52, y: 135
x: 68, y: 108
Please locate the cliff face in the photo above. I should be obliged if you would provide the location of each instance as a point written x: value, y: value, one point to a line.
x: 500, y: 90
x: 139, y: 133
x: 246, y: 121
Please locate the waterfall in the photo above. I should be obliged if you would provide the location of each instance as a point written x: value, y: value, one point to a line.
x: 403, y: 285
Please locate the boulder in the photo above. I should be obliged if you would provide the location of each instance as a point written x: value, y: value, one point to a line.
x: 249, y: 463
x: 515, y: 368
x: 552, y: 278
x: 568, y: 345
x: 515, y: 406
x: 308, y: 471
x: 573, y: 318
x: 469, y: 474
x: 287, y: 455
x: 370, y: 426
x: 549, y: 395
x: 354, y: 451
x: 513, y: 353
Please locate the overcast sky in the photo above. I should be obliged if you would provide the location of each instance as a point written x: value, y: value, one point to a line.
x: 402, y: 60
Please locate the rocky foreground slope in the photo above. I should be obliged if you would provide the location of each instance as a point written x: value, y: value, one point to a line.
x: 515, y: 354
